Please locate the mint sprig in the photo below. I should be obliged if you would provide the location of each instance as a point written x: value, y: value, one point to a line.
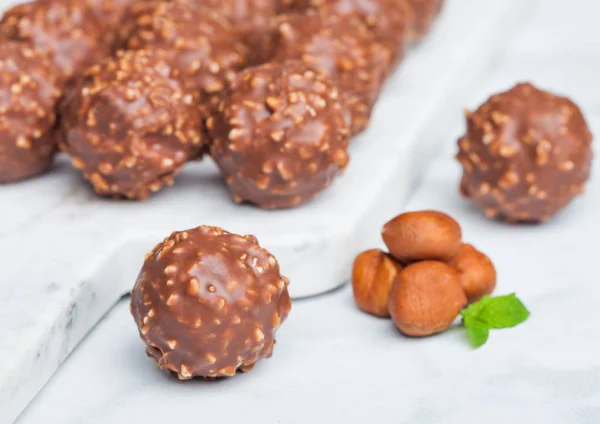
x: 493, y: 313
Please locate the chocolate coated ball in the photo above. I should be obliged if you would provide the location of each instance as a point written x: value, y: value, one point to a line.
x: 280, y: 136
x: 130, y: 126
x: 28, y: 93
x: 208, y: 303
x: 525, y: 155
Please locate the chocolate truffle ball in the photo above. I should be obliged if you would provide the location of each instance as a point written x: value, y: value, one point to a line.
x: 130, y: 126
x: 199, y: 43
x: 280, y: 136
x: 525, y: 155
x: 388, y: 20
x: 424, y: 14
x: 65, y: 29
x: 342, y: 48
x: 208, y: 303
x: 29, y: 91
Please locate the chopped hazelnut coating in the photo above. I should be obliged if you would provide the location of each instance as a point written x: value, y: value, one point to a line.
x: 198, y: 41
x: 387, y: 20
x: 208, y: 303
x: 342, y: 48
x: 280, y: 136
x: 28, y: 93
x: 525, y: 155
x: 65, y: 29
x: 129, y: 125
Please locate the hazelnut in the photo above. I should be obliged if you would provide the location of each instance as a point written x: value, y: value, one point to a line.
x: 417, y: 236
x: 477, y: 272
x: 426, y: 298
x: 373, y: 275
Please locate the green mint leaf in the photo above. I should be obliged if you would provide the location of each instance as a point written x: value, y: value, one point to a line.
x: 478, y: 331
x: 503, y: 312
x: 474, y: 309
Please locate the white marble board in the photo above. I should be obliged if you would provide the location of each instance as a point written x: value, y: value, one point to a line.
x: 68, y: 255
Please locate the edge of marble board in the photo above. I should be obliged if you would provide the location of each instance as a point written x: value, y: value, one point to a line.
x: 91, y: 300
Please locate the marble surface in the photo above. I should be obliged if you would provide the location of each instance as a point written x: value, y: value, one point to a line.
x: 335, y: 364
x: 69, y: 255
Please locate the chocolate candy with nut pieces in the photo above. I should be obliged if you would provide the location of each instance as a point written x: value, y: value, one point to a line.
x: 525, y: 155
x: 65, y: 29
x: 342, y: 48
x: 130, y: 126
x: 28, y: 91
x: 386, y: 19
x: 208, y: 303
x: 198, y: 41
x: 280, y: 136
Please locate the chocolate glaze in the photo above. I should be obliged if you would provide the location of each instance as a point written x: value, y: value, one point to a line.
x: 28, y: 93
x: 280, y: 135
x: 208, y: 303
x: 67, y: 30
x: 525, y: 155
x: 344, y: 49
x: 130, y: 126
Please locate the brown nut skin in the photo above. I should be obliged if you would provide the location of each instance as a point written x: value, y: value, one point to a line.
x: 129, y: 126
x: 373, y: 275
x: 198, y: 42
x: 29, y: 91
x: 426, y: 298
x: 341, y: 47
x: 208, y: 303
x: 280, y: 136
x: 526, y: 154
x: 417, y: 236
x: 67, y: 30
x: 388, y: 20
x: 477, y: 272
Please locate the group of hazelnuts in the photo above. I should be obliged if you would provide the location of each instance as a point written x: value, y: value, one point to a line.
x: 428, y: 276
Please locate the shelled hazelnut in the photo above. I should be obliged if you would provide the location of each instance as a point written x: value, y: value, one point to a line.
x: 477, y: 272
x: 373, y: 274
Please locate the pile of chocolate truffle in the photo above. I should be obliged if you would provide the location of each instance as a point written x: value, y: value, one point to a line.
x: 272, y: 90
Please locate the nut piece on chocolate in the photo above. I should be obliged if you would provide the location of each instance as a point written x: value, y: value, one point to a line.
x: 199, y: 43
x: 388, y: 20
x: 525, y: 155
x: 65, y: 29
x: 423, y: 14
x: 342, y: 48
x: 280, y: 136
x: 208, y: 303
x: 29, y: 91
x: 129, y: 125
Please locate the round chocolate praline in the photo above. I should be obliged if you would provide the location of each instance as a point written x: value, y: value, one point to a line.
x: 525, y: 155
x: 280, y: 136
x: 342, y: 48
x: 29, y: 91
x: 130, y: 126
x: 388, y: 20
x: 67, y: 30
x: 208, y: 303
x: 424, y: 14
x: 198, y: 41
